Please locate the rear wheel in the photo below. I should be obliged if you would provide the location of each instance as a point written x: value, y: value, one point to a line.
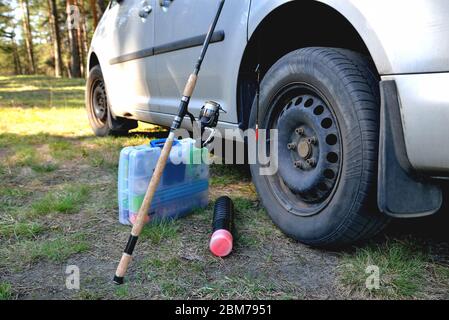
x: 325, y: 104
x: 98, y: 110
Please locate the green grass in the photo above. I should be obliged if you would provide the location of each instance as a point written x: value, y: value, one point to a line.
x: 402, y: 268
x: 223, y: 175
x: 64, y: 150
x: 68, y: 200
x: 159, y: 231
x: 5, y: 291
x: 173, y: 276
x: 56, y: 250
x: 242, y: 287
x: 21, y: 230
x: 41, y: 92
x: 12, y: 197
x: 122, y: 292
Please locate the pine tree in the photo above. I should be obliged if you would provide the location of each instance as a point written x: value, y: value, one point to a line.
x: 56, y: 37
x: 24, y: 4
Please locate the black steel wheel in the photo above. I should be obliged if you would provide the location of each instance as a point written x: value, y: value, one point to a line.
x: 98, y: 110
x: 309, y: 149
x: 99, y: 102
x: 324, y: 103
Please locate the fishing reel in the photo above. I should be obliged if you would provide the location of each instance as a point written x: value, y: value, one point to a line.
x: 208, y: 119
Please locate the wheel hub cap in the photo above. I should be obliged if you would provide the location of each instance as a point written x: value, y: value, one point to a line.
x: 304, y: 149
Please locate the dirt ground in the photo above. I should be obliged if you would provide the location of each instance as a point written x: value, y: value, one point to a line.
x: 58, y: 208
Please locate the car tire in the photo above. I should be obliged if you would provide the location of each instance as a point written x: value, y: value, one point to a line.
x: 325, y: 103
x: 98, y: 109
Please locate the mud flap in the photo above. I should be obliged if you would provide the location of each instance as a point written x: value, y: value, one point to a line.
x: 120, y: 124
x: 402, y: 193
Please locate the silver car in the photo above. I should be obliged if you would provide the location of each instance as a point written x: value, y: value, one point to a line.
x: 358, y: 90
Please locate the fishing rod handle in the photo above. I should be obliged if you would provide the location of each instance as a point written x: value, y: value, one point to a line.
x: 143, y: 212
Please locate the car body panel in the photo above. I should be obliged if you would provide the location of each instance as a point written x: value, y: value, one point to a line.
x: 424, y: 102
x: 219, y: 74
x: 130, y: 84
x: 403, y: 36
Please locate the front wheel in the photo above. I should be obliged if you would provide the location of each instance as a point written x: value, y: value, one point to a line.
x: 98, y: 110
x: 324, y: 103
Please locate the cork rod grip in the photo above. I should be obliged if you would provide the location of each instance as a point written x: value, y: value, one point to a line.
x: 123, y: 265
x: 190, y: 86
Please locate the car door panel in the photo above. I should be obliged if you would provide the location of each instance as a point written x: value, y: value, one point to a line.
x: 130, y: 70
x: 184, y: 20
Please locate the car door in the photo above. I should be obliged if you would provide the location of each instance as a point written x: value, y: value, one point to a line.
x: 180, y: 27
x: 130, y: 62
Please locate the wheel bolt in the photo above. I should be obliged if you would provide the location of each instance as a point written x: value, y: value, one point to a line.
x: 299, y: 131
x: 298, y: 164
x: 291, y: 146
x: 312, y: 140
x: 311, y: 162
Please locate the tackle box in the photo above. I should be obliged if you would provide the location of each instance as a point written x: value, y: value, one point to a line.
x: 184, y: 186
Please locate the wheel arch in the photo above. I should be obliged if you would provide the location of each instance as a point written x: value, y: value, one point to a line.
x: 92, y: 61
x: 270, y: 19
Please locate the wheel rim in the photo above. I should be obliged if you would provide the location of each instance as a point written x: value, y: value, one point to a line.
x: 99, y: 102
x: 310, y: 149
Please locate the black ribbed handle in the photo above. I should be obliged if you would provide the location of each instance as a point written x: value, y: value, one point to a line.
x: 223, y: 215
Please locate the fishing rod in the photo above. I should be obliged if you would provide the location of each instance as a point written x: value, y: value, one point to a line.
x: 211, y: 111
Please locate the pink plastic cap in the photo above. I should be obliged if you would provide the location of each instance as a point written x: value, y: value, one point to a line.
x: 221, y: 243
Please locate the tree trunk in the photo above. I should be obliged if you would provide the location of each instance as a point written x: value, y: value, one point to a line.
x: 84, y: 28
x: 82, y: 42
x: 54, y: 24
x: 17, y: 63
x: 75, y: 63
x: 27, y: 35
x: 93, y: 6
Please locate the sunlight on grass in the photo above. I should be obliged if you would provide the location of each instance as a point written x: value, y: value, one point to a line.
x: 56, y: 121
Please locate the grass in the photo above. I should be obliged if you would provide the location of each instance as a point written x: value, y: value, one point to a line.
x: 68, y: 200
x: 10, y: 196
x: 21, y: 230
x: 240, y: 287
x: 5, y: 291
x: 63, y: 150
x: 41, y: 92
x: 122, y: 292
x: 222, y: 175
x: 402, y: 268
x: 57, y: 250
x: 157, y: 232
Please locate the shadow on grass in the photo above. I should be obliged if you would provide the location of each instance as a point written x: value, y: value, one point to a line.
x: 11, y: 139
